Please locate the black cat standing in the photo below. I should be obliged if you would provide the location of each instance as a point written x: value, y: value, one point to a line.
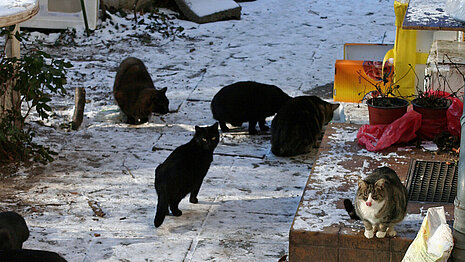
x: 183, y: 171
x: 247, y: 102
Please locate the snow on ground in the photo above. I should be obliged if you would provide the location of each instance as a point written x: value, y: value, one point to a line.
x: 249, y: 197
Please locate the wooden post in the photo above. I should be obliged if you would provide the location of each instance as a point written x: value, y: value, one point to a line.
x: 12, y: 46
x: 10, y: 99
x: 79, y: 103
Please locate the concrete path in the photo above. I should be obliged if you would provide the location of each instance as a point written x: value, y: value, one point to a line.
x: 249, y: 197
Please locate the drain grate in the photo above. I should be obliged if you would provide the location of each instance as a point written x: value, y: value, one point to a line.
x: 432, y: 181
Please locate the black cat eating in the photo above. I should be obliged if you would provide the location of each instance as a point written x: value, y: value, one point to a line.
x: 183, y: 171
x: 135, y: 93
x: 247, y: 102
x: 297, y: 126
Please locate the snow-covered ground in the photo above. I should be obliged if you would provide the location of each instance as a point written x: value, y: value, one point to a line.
x: 249, y: 197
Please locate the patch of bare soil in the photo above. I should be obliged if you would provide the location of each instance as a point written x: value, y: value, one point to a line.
x: 14, y: 182
x: 11, y: 185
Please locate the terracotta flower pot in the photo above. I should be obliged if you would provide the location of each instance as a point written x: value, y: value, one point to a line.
x: 433, y: 119
x: 385, y: 110
x: 430, y: 113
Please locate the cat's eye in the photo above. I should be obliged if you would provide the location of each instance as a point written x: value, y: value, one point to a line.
x: 213, y: 138
x: 204, y: 139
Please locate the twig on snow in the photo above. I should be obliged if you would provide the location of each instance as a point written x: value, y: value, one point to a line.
x: 96, y: 208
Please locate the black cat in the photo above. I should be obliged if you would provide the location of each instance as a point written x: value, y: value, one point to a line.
x: 247, y: 102
x: 13, y: 231
x: 135, y: 93
x: 183, y: 171
x: 29, y: 255
x: 297, y: 126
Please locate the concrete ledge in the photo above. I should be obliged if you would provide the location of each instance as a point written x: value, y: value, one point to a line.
x: 323, y: 231
x: 205, y: 11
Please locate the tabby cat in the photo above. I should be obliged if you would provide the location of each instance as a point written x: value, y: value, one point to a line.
x: 135, y: 93
x: 13, y: 231
x: 247, y: 102
x: 183, y: 171
x: 298, y: 124
x: 380, y: 202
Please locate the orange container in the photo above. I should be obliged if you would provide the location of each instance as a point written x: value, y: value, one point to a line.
x: 354, y: 78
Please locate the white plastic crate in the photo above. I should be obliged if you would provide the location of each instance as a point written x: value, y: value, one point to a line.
x: 61, y: 14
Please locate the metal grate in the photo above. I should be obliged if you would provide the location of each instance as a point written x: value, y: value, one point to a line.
x: 432, y: 181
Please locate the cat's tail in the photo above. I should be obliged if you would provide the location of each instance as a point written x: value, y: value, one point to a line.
x: 350, y: 209
x: 162, y: 207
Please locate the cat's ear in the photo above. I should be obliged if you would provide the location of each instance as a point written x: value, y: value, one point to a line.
x: 334, y: 106
x: 163, y: 90
x: 380, y: 183
x: 362, y: 184
x: 215, y: 126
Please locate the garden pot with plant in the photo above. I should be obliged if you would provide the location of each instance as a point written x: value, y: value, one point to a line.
x: 433, y: 110
x: 385, y: 105
x: 390, y: 123
x: 385, y: 110
x: 433, y: 105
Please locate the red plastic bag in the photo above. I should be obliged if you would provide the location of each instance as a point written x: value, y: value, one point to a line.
x: 379, y: 137
x: 453, y: 116
x: 431, y: 127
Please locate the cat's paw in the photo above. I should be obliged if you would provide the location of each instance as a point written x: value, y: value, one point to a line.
x: 380, y: 234
x: 392, y: 233
x: 176, y: 213
x: 193, y: 200
x: 368, y: 233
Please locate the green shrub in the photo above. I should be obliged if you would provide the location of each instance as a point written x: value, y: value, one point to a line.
x: 35, y: 76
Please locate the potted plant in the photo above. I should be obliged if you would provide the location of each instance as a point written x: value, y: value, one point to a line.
x: 384, y: 102
x: 433, y: 102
